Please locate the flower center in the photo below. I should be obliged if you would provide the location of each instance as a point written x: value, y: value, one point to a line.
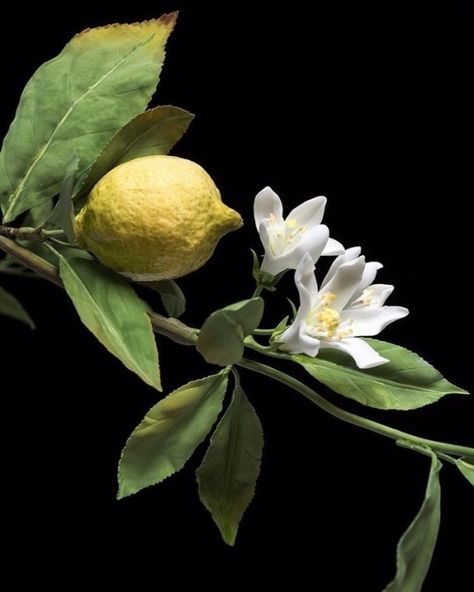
x: 325, y: 321
x: 283, y: 235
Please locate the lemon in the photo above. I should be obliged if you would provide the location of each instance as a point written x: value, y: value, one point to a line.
x: 154, y: 218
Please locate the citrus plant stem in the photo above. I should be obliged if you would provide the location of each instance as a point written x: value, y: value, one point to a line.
x: 362, y: 422
x: 181, y: 333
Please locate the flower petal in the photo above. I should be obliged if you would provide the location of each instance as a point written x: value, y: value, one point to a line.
x: 333, y: 247
x: 349, y: 255
x: 368, y: 276
x: 297, y: 341
x: 345, y: 282
x: 309, y: 213
x: 265, y: 204
x: 305, y: 278
x: 313, y: 242
x: 364, y: 356
x: 372, y: 298
x: 371, y: 322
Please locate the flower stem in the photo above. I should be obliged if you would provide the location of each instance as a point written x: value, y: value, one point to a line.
x: 181, y: 333
x: 258, y: 291
x: 362, y: 422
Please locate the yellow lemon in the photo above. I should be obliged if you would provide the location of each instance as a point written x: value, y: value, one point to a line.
x: 155, y: 218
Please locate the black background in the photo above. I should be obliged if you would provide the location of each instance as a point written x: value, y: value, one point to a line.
x: 370, y: 106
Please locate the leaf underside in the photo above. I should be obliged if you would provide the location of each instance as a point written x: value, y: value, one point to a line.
x: 154, y: 132
x: 221, y: 338
x: 229, y: 471
x: 11, y: 307
x: 416, y: 546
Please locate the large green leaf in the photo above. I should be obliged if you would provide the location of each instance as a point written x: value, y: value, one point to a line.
x: 109, y: 307
x: 154, y: 132
x: 406, y: 382
x: 415, y: 548
x: 229, y: 471
x: 221, y: 338
x: 170, y: 432
x: 75, y: 103
x: 171, y: 295
x: 466, y: 466
x: 10, y: 307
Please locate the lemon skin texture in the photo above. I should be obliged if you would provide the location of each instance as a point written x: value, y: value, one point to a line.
x: 155, y: 218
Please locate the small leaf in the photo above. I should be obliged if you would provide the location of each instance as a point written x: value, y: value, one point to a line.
x: 75, y: 103
x: 170, y: 432
x: 229, y: 471
x: 171, y: 294
x: 10, y: 307
x: 415, y: 548
x: 221, y: 338
x: 63, y: 213
x: 111, y: 310
x: 466, y: 466
x: 154, y: 132
x: 406, y: 382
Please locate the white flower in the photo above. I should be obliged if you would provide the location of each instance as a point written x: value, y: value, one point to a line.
x: 286, y: 241
x: 346, y: 306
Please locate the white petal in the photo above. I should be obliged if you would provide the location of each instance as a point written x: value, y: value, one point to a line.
x: 304, y: 275
x: 297, y: 341
x: 333, y: 247
x: 264, y: 233
x: 373, y: 297
x: 349, y: 255
x: 306, y: 284
x: 372, y: 322
x: 310, y: 212
x: 368, y: 276
x: 313, y: 242
x: 265, y: 204
x: 345, y: 282
x: 364, y: 356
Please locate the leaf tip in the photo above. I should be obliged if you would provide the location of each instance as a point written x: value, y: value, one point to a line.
x: 229, y: 534
x: 169, y: 18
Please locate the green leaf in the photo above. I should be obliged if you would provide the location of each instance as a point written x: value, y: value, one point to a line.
x: 221, y: 338
x: 110, y: 309
x: 415, y: 548
x: 38, y: 215
x: 63, y: 213
x: 154, y: 132
x: 171, y: 294
x: 229, y: 471
x: 10, y: 307
x: 75, y: 103
x: 406, y: 382
x: 466, y: 466
x: 170, y: 432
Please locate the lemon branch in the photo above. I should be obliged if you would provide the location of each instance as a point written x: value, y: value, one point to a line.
x: 181, y: 333
x: 27, y: 233
x: 171, y: 328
